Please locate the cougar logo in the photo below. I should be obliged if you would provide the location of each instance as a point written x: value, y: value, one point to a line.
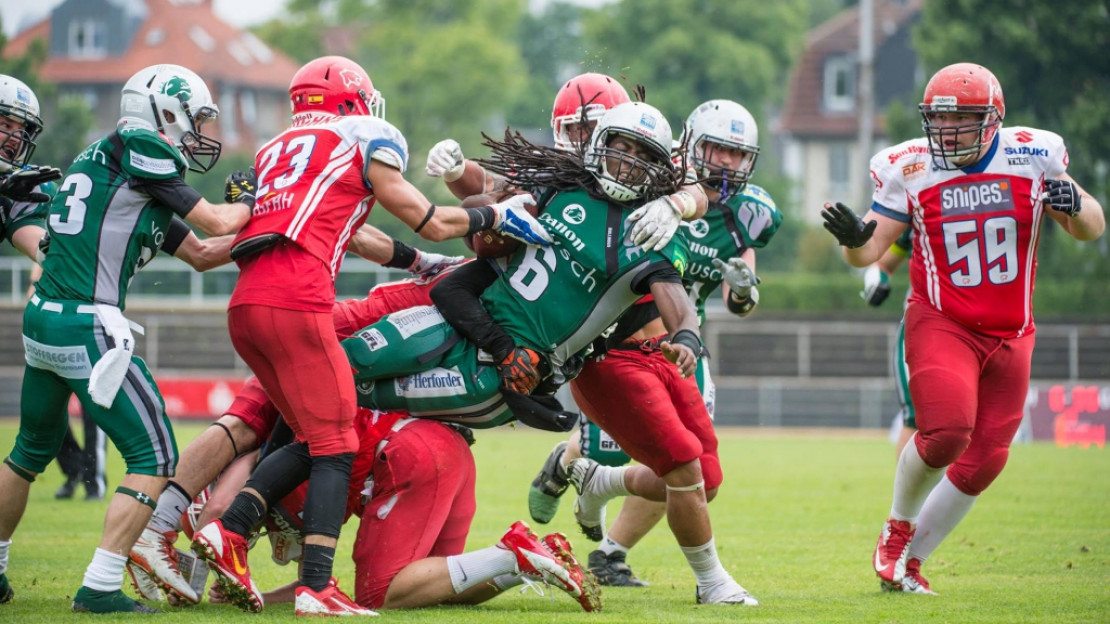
x: 178, y: 87
x: 574, y: 214
x: 350, y: 78
x: 699, y: 228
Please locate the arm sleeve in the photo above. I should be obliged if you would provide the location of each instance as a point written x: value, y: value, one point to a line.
x: 458, y: 298
x: 661, y: 271
x: 172, y: 193
x: 1057, y: 164
x: 889, y: 197
x: 175, y: 235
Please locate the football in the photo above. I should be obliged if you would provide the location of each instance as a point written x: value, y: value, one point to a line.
x: 488, y: 243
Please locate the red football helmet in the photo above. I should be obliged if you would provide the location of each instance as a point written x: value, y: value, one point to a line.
x: 337, y: 85
x: 596, y: 92
x: 961, y: 88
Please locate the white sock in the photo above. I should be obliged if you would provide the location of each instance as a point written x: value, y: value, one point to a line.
x: 507, y: 581
x: 4, y: 555
x: 171, y: 504
x: 705, y: 564
x: 913, y: 481
x: 608, y: 482
x: 943, y: 510
x: 105, y: 571
x: 474, y: 568
x: 609, y: 546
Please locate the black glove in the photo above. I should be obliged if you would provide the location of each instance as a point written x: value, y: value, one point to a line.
x: 518, y: 370
x: 240, y: 187
x: 848, y: 228
x: 1062, y: 195
x: 20, y: 185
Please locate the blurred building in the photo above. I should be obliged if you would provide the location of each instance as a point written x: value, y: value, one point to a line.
x: 96, y: 45
x: 820, y: 121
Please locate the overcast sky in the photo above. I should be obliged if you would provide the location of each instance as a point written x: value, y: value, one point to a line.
x: 22, y: 13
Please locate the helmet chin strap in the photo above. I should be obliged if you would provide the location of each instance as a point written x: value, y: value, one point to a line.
x: 157, y: 117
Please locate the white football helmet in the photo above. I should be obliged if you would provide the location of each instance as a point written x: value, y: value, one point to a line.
x: 176, y: 102
x: 623, y: 176
x: 728, y: 124
x: 18, y: 103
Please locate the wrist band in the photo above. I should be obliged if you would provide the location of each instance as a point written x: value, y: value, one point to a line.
x: 404, y: 256
x: 690, y: 339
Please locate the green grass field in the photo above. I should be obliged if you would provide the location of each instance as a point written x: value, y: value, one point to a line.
x: 795, y: 523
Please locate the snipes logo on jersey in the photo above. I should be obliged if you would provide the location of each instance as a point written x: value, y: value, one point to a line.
x: 977, y: 198
x: 437, y: 382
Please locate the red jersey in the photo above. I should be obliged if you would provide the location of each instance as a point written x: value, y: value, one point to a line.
x: 312, y: 190
x: 977, y: 228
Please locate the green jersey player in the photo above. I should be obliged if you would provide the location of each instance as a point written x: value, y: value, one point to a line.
x: 120, y: 202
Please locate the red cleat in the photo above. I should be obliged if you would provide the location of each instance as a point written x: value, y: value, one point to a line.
x: 537, y: 560
x: 890, y: 552
x: 226, y: 553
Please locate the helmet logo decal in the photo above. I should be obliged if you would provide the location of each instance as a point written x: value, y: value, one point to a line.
x: 647, y: 121
x: 350, y: 78
x: 23, y: 95
x: 178, y: 87
x: 944, y: 103
x: 737, y: 127
x: 574, y: 214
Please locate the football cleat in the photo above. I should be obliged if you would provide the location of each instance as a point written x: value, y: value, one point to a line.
x: 226, y: 554
x: 143, y: 584
x: 913, y: 582
x: 6, y: 591
x: 548, y: 486
x: 589, y: 594
x: 92, y: 601
x: 154, y: 554
x: 612, y: 570
x: 890, y: 552
x: 536, y: 560
x: 329, y: 601
x: 589, y: 509
x: 729, y: 592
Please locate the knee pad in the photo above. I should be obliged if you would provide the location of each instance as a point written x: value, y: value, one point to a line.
x: 942, y: 447
x: 973, y: 477
x: 711, y: 471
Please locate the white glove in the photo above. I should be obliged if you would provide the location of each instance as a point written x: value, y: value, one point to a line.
x: 445, y: 160
x: 656, y: 222
x: 427, y: 264
x: 738, y: 275
x: 513, y: 220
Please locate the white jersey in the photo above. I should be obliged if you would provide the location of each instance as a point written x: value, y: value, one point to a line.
x: 977, y: 228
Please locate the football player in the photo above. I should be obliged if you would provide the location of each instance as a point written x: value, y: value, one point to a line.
x: 976, y: 194
x: 121, y: 202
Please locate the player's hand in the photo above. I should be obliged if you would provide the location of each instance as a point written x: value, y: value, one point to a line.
x: 241, y: 187
x: 445, y: 160
x: 215, y: 596
x: 656, y: 222
x: 518, y: 370
x: 738, y: 275
x: 21, y: 185
x: 681, y: 356
x: 1062, y: 195
x: 428, y: 265
x: 513, y: 220
x: 43, y: 247
x: 876, y: 286
x: 850, y: 230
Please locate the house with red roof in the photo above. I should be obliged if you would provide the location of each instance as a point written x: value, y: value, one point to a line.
x: 96, y: 45
x: 819, y: 125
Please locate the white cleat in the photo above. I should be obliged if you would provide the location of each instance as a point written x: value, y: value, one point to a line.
x: 729, y: 592
x: 589, y: 508
x: 155, y: 555
x: 143, y: 584
x: 330, y: 601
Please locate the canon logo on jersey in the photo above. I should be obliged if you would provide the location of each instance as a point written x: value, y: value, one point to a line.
x: 977, y: 198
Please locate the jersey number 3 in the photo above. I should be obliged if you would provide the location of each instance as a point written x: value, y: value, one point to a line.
x: 79, y: 186
x: 996, y: 253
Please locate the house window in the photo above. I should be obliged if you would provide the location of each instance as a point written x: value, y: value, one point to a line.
x: 840, y: 84
x: 88, y: 38
x: 840, y: 168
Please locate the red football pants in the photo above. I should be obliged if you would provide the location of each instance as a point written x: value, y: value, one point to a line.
x: 298, y: 361
x: 968, y: 390
x: 421, y: 506
x: 655, y: 415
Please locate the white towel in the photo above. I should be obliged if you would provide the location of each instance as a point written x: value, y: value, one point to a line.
x: 108, y: 373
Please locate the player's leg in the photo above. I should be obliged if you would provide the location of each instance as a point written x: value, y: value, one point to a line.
x: 94, y: 461
x: 902, y: 387
x: 42, y: 426
x: 69, y: 460
x: 609, y: 563
x: 1002, y: 390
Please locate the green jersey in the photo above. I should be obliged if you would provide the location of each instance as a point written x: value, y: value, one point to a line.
x: 728, y: 229
x: 557, y: 299
x: 14, y: 215
x: 104, y: 223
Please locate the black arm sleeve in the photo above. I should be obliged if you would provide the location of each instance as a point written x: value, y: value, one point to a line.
x: 654, y: 272
x: 178, y: 230
x: 457, y: 296
x: 173, y: 193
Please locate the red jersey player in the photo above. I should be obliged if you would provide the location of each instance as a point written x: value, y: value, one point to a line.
x: 976, y: 194
x: 316, y: 183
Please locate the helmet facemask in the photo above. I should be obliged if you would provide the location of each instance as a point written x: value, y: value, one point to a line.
x: 17, y: 157
x: 624, y: 176
x: 725, y: 181
x: 201, y: 151
x: 945, y: 141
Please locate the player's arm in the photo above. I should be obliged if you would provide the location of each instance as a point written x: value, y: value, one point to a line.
x: 1076, y: 210
x: 864, y: 240
x: 684, y: 347
x: 378, y: 247
x: 187, y: 203
x: 458, y: 298
x: 26, y: 240
x: 183, y: 244
x: 738, y: 286
x: 439, y: 223
x: 462, y: 177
